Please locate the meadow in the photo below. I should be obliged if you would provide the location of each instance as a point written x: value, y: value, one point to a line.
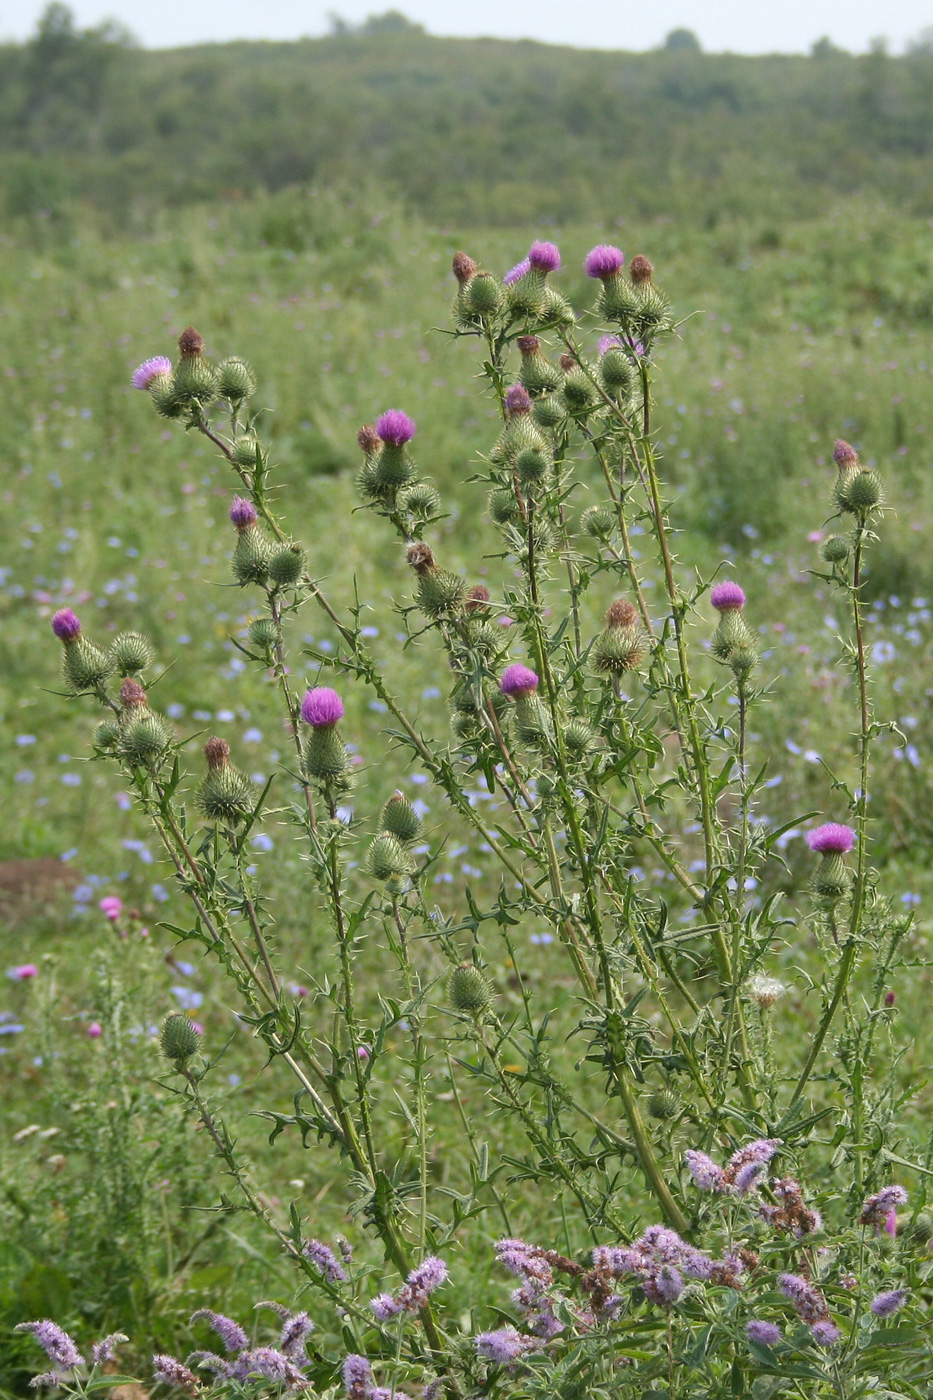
x: 790, y: 334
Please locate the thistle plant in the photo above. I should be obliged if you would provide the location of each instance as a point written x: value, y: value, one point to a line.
x: 608, y: 726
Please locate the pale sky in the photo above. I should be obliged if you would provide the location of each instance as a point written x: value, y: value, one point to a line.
x: 744, y: 26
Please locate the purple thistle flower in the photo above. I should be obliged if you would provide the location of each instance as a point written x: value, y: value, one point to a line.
x: 149, y: 370
x: 887, y: 1304
x: 807, y: 1301
x: 104, y: 1350
x: 877, y: 1208
x: 518, y: 680
x: 325, y: 1261
x: 544, y: 257
x: 502, y: 1346
x: 727, y: 597
x: 765, y: 1334
x: 844, y: 455
x: 385, y: 1306
x: 516, y: 273
x: 229, y: 1332
x: 65, y: 625
x: 395, y: 427
x: 357, y: 1376
x: 832, y: 838
x: 704, y: 1171
x: 825, y: 1333
x: 54, y: 1341
x: 271, y: 1364
x: 609, y: 342
x: 321, y: 707
x: 603, y: 261
x: 664, y: 1287
x: 243, y: 513
x: 518, y: 400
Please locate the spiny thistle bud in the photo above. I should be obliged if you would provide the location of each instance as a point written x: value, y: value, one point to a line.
x: 225, y: 794
x: 477, y: 599
x: 862, y: 493
x: 835, y: 549
x: 640, y: 270
x: 178, y: 1038
x: 143, y: 738
x: 598, y: 522
x: 387, y: 858
x: 164, y: 399
x: 487, y: 638
x: 400, y: 819
x: 394, y: 467
x: 250, y: 560
x: 439, y: 591
x: 549, y: 412
x: 133, y: 696
x: 617, y: 650
x: 190, y: 343
x: 654, y: 312
x: 847, y: 463
x: 531, y: 466
x: 464, y: 268
x: 663, y: 1104
x: 483, y: 296
x: 84, y: 665
x: 556, y: 310
x: 106, y: 735
x: 622, y: 613
x: 235, y: 379
x: 468, y: 990
x: 325, y: 755
x: 130, y: 653
x: 616, y: 371
x: 520, y: 684
x: 420, y: 557
x: 420, y: 500
x: 263, y: 632
x: 537, y: 374
x: 195, y: 380
x: 286, y: 565
x: 743, y: 659
x: 244, y: 450
x: 578, y: 738
x: 503, y: 507
x: 577, y: 390
x: 833, y: 879
x: 732, y: 636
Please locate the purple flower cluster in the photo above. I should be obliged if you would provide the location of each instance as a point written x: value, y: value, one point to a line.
x: 395, y: 428
x: 534, y: 1297
x: 55, y: 1342
x: 518, y: 680
x: 662, y: 1260
x: 415, y: 1291
x: 810, y: 1306
x: 358, y: 1381
x: 727, y: 597
x: 832, y: 838
x: 503, y: 1346
x: 150, y: 370
x: 765, y: 1334
x: 877, y: 1208
x: 325, y: 1261
x: 741, y: 1174
x: 888, y: 1303
x: 604, y: 261
x: 321, y: 707
x: 516, y: 273
x: 283, y: 1365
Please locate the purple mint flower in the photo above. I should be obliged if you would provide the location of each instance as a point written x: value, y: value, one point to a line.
x: 325, y: 1261
x: 765, y: 1334
x: 502, y: 1346
x: 104, y: 1350
x: 516, y: 273
x: 395, y: 428
x: 357, y: 1376
x: 271, y: 1364
x: 385, y: 1392
x: 825, y: 1333
x: 54, y: 1341
x: 807, y: 1301
x: 430, y: 1274
x: 727, y: 597
x: 877, y: 1208
x: 887, y: 1304
x: 149, y: 370
x: 608, y: 342
x: 518, y: 680
x: 544, y: 257
x: 747, y: 1177
x: 321, y: 707
x: 664, y: 1287
x: 210, y: 1361
x: 832, y: 838
x: 748, y: 1163
x: 295, y: 1330
x: 229, y: 1332
x: 65, y: 625
x: 545, y: 1325
x: 167, y: 1368
x: 704, y: 1171
x: 844, y: 455
x: 518, y: 400
x: 385, y: 1306
x: 243, y: 513
x: 890, y: 1223
x: 603, y: 261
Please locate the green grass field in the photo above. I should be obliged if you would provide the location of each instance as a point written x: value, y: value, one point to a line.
x: 791, y: 336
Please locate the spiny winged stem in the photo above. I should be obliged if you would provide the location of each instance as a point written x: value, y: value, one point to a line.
x: 419, y: 1057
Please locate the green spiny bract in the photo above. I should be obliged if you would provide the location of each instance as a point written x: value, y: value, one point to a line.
x: 251, y: 556
x: 835, y: 549
x: 503, y: 507
x: 400, y: 819
x: 165, y: 401
x: 286, y: 565
x: 225, y: 794
x: 440, y: 592
x: 663, y: 1104
x: 616, y: 371
x: 556, y: 310
x: 531, y: 721
x: 483, y: 297
x: 653, y: 315
x: 420, y: 500
x: 549, y: 412
x: 263, y: 632
x: 107, y: 735
x: 598, y: 522
x: 618, y: 650
x: 369, y: 484
x: 244, y: 450
x: 577, y: 390
x: 531, y: 466
x: 130, y: 653
x: 84, y: 665
x: 195, y: 381
x: 844, y: 479
x: 743, y: 660
x: 833, y: 878
x: 468, y: 989
x: 578, y: 738
x: 325, y: 754
x: 144, y: 737
x: 178, y: 1039
x: 393, y: 467
x: 617, y: 302
x: 235, y: 379
x: 526, y: 297
x: 537, y: 374
x: 486, y: 638
x: 862, y: 493
x: 387, y: 858
x: 732, y: 635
